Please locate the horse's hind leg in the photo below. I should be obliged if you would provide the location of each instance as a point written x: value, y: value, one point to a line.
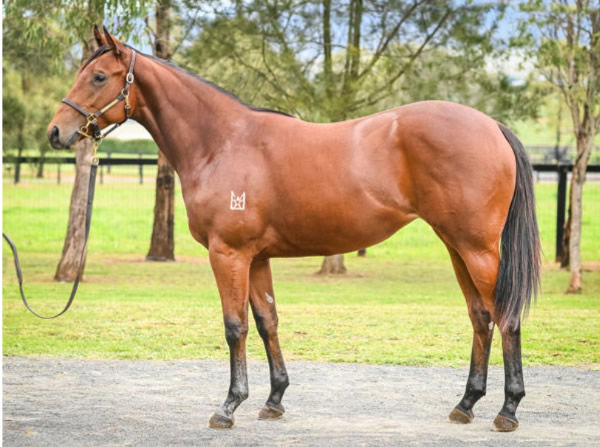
x: 262, y: 301
x: 483, y: 329
x: 514, y: 388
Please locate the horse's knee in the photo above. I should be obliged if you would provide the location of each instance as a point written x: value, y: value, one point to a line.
x: 235, y: 330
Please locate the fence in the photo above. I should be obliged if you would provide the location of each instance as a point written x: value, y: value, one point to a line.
x: 561, y: 170
x: 105, y: 162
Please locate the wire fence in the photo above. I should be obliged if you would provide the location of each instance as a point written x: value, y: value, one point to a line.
x: 548, y: 166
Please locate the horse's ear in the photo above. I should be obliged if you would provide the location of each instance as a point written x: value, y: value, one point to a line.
x: 112, y: 42
x: 99, y: 37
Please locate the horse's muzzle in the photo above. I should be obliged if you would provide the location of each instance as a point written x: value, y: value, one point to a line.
x: 55, y: 141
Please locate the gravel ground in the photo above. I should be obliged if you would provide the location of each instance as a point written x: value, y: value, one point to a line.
x: 66, y: 402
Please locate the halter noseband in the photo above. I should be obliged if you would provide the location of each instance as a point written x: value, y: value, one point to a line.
x: 92, y: 118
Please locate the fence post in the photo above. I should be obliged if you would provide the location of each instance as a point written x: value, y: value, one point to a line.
x: 108, y: 155
x: 561, y: 199
x: 101, y: 174
x: 141, y: 170
x: 58, y: 172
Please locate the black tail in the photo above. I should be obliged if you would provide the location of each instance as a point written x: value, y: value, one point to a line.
x: 519, y: 273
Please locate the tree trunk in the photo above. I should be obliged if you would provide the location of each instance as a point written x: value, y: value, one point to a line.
x: 40, y: 166
x: 585, y: 143
x: 69, y: 263
x: 333, y: 265
x: 564, y: 256
x: 162, y: 244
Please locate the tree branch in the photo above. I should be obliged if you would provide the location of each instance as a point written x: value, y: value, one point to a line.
x: 383, y: 46
x: 374, y: 98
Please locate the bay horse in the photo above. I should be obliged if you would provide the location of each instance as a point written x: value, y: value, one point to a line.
x: 259, y: 184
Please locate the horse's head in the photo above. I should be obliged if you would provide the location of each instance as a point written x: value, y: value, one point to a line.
x: 100, y: 95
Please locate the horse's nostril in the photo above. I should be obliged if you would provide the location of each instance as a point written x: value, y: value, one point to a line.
x: 53, y: 137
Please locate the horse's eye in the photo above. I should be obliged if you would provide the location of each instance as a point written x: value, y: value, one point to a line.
x: 99, y: 78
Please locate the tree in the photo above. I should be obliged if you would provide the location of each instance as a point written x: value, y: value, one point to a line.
x: 36, y: 39
x: 162, y: 243
x: 29, y: 75
x: 13, y: 124
x: 326, y: 62
x: 564, y: 40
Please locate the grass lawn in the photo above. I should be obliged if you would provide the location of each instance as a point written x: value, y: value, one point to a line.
x: 401, y: 304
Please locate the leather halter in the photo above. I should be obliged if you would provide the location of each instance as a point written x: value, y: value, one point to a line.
x: 92, y: 118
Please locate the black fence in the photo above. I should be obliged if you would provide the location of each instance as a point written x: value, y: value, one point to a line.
x: 106, y: 161
x: 561, y: 170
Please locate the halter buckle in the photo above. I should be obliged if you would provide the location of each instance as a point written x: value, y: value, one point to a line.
x: 129, y: 78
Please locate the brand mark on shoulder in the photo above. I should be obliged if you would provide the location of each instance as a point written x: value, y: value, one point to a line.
x: 238, y: 202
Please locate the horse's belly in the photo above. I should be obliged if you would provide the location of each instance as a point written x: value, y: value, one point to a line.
x: 339, y: 230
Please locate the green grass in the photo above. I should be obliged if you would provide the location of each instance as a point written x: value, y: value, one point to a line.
x: 401, y: 304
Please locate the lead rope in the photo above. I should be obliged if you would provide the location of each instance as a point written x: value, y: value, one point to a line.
x: 88, y: 220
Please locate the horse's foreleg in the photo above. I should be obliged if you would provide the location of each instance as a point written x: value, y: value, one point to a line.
x: 262, y: 301
x: 231, y: 272
x: 514, y: 388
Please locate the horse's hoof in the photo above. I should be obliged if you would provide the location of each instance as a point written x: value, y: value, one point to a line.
x: 271, y: 412
x: 220, y: 421
x: 458, y: 416
x: 505, y: 423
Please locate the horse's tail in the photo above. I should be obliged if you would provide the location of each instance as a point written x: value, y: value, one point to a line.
x: 519, y: 273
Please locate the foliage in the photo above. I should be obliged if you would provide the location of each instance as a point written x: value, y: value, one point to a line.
x: 13, y: 122
x: 564, y: 40
x: 28, y: 107
x: 324, y: 62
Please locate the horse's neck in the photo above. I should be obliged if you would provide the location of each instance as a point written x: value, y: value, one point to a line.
x: 188, y: 118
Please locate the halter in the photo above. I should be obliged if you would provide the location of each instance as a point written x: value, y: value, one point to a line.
x: 92, y: 118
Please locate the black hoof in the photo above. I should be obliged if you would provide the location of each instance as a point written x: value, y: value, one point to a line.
x: 270, y: 411
x: 505, y: 423
x: 458, y: 416
x: 220, y: 421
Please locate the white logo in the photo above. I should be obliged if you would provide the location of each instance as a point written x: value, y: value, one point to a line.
x: 238, y: 202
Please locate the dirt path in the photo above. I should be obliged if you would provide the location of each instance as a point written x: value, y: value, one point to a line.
x: 62, y: 402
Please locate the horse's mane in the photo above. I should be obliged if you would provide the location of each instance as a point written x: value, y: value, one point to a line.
x: 213, y: 85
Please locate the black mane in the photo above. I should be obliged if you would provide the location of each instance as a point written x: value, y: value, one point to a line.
x: 213, y: 85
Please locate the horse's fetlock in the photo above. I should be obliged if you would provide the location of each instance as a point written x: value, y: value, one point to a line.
x: 280, y: 381
x: 515, y: 393
x: 240, y: 394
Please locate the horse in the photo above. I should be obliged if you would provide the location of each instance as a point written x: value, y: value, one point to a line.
x: 259, y: 184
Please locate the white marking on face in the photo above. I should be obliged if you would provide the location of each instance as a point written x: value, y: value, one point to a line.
x: 237, y: 202
x: 269, y: 298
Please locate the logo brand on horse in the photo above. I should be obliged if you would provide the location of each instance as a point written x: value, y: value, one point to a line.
x: 320, y: 189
